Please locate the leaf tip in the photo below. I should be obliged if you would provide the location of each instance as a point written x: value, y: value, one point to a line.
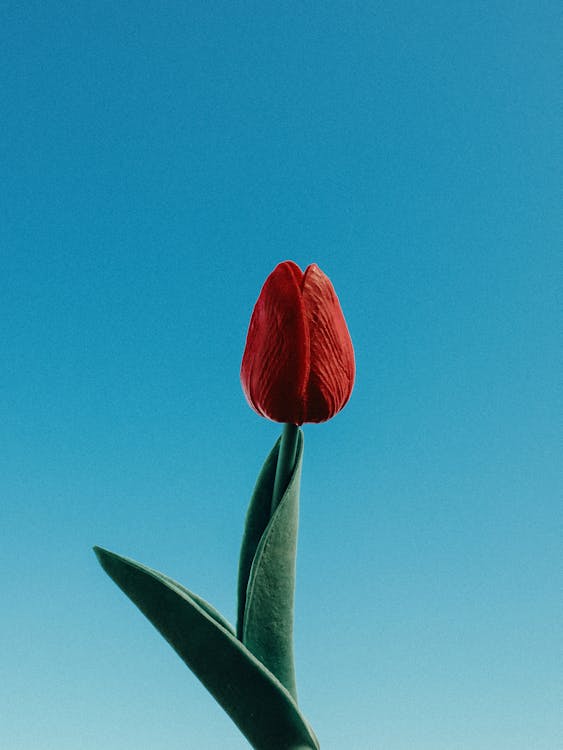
x: 105, y: 557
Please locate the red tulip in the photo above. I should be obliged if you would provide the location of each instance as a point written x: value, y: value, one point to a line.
x: 298, y: 363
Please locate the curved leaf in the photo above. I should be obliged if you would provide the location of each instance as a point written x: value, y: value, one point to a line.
x: 267, y: 571
x: 257, y: 702
x: 257, y: 518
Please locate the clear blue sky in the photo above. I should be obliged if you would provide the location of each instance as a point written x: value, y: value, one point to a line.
x: 158, y: 160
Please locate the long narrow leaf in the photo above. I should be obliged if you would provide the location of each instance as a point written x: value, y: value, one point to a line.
x: 267, y: 571
x: 257, y: 702
x: 257, y: 518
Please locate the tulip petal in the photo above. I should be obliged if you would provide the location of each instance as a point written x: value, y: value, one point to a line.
x: 276, y: 360
x: 331, y: 377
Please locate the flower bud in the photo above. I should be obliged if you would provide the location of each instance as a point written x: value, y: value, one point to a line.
x: 298, y: 363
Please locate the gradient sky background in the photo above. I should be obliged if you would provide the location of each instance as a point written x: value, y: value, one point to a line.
x: 158, y: 160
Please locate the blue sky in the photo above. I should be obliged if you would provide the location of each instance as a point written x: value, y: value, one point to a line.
x: 158, y: 160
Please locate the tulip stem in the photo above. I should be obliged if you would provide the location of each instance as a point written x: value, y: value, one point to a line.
x: 286, y: 462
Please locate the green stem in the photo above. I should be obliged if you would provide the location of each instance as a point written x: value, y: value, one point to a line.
x: 286, y: 462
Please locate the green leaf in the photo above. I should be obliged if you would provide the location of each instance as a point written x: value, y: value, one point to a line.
x: 217, y: 616
x: 266, y: 584
x: 257, y: 702
x: 257, y: 518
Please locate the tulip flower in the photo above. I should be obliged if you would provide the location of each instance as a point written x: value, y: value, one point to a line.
x: 298, y: 363
x: 298, y: 366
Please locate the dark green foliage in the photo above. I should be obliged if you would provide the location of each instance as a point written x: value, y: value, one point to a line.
x: 250, y: 673
x: 260, y: 706
x: 267, y: 571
